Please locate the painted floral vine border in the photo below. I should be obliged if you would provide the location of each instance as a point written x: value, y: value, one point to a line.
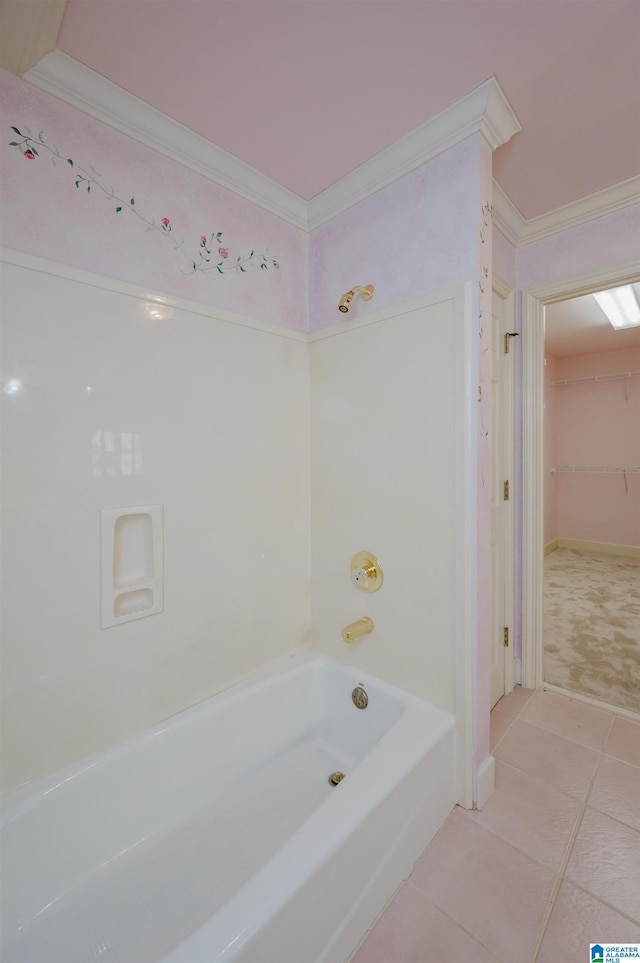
x: 487, y: 215
x: 211, y: 255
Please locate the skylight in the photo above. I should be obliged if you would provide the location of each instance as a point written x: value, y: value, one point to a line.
x: 620, y: 306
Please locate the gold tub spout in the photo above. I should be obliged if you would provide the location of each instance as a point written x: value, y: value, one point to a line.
x: 356, y: 629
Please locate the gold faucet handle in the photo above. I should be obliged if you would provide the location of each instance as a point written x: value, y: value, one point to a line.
x: 366, y: 572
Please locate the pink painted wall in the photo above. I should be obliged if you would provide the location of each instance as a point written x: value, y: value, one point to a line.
x: 45, y: 214
x: 598, y: 424
x: 504, y: 259
x: 411, y: 237
x: 604, y: 241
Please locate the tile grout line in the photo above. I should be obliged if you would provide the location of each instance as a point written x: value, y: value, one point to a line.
x: 456, y: 922
x: 568, y: 738
x: 615, y: 909
x: 559, y: 873
x: 401, y: 885
x: 567, y: 854
x: 619, y: 711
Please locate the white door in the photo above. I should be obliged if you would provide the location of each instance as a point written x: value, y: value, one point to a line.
x: 502, y: 514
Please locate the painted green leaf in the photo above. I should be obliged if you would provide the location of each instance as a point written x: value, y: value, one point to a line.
x: 16, y: 131
x: 131, y: 201
x: 118, y: 209
x: 69, y: 162
x: 13, y: 143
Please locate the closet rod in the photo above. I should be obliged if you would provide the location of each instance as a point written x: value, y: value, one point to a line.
x: 624, y: 471
x: 583, y: 381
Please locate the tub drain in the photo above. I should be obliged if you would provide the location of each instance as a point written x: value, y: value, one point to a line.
x: 360, y: 698
x: 335, y: 778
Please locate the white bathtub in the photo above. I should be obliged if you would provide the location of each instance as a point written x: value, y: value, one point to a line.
x: 217, y: 836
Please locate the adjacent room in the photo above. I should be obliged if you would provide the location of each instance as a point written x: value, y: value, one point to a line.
x: 592, y: 499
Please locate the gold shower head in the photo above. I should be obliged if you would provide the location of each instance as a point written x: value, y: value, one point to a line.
x: 367, y: 293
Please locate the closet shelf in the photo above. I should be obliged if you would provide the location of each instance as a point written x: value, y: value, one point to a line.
x: 623, y: 471
x: 584, y: 381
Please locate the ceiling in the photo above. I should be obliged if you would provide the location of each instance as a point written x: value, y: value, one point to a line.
x: 579, y: 326
x: 305, y: 91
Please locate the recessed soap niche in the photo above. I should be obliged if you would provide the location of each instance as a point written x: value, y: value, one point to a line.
x: 131, y: 563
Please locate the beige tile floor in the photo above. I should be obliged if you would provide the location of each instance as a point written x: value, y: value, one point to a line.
x: 550, y: 865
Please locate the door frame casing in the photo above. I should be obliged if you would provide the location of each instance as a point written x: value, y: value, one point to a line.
x: 506, y: 293
x: 534, y: 301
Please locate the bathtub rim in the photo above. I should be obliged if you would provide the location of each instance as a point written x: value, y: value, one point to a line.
x: 337, y: 819
x: 337, y: 815
x: 14, y: 803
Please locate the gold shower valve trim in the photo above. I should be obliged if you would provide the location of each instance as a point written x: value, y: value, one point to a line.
x: 366, y: 572
x: 367, y: 293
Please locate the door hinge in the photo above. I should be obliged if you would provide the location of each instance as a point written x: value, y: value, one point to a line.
x: 505, y: 491
x: 509, y: 334
x: 505, y: 637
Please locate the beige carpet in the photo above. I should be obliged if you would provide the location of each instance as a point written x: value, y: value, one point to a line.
x: 592, y: 625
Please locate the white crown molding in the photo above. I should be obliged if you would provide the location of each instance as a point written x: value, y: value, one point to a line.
x: 508, y: 219
x: 81, y: 87
x: 506, y: 216
x: 484, y: 110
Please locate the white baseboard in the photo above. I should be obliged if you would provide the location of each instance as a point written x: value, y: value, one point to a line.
x: 486, y: 780
x: 605, y: 548
x: 551, y: 547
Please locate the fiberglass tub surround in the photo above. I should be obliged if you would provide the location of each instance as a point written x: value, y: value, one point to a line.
x: 218, y: 834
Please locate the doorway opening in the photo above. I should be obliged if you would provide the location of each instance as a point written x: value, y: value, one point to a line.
x: 535, y: 302
x: 591, y: 633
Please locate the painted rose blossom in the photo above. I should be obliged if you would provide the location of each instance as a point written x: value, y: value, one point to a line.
x: 201, y: 263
